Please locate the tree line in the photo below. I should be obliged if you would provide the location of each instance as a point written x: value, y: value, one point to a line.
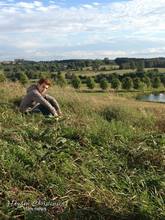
x: 24, y: 70
x: 140, y: 63
x: 32, y: 68
x: 138, y: 81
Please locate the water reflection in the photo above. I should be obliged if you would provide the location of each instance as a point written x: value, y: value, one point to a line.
x: 160, y: 97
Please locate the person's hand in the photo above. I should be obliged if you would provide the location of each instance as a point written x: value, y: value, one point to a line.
x: 59, y: 113
x: 56, y: 114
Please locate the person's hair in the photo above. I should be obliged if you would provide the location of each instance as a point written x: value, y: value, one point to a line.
x: 46, y: 81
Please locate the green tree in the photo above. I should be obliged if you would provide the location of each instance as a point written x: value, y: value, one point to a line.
x: 2, y: 77
x: 90, y: 83
x: 140, y: 66
x: 115, y: 84
x: 45, y: 74
x: 61, y: 81
x: 147, y: 81
x: 106, y: 60
x: 23, y: 78
x: 136, y: 83
x: 156, y: 82
x: 96, y: 64
x: 103, y: 84
x: 127, y: 83
x: 163, y: 80
x: 132, y: 65
x: 76, y: 82
x: 155, y: 70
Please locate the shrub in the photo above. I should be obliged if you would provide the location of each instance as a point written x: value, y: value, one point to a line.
x: 61, y: 81
x: 90, y: 83
x: 127, y: 83
x: 2, y: 77
x: 23, y: 78
x: 76, y: 83
x: 103, y: 84
x: 115, y: 84
x: 156, y: 82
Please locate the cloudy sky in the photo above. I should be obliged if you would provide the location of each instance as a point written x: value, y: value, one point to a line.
x: 66, y: 29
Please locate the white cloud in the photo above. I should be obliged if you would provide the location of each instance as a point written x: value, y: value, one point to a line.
x: 96, y: 3
x: 25, y: 5
x: 87, y: 6
x: 93, y: 54
x: 149, y: 52
x: 34, y: 25
x: 133, y: 15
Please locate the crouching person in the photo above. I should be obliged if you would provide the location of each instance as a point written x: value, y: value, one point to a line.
x: 36, y: 100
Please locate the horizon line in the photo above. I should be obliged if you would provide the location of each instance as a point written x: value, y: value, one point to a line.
x: 51, y: 60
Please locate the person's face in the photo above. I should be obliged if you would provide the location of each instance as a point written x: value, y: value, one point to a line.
x: 43, y: 88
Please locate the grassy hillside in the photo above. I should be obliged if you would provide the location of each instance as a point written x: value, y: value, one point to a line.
x: 104, y: 160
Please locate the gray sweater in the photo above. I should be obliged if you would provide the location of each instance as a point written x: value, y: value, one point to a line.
x: 34, y: 98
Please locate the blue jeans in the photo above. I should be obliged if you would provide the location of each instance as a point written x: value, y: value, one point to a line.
x: 41, y: 109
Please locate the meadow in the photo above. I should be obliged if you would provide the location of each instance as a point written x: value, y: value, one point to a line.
x: 110, y: 70
x: 103, y: 160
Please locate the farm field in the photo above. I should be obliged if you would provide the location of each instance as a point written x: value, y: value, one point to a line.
x: 120, y: 72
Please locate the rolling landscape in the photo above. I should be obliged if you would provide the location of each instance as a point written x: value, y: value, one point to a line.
x: 82, y: 110
x: 103, y: 159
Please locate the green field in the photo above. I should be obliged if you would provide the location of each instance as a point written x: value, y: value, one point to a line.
x: 104, y: 160
x: 120, y: 72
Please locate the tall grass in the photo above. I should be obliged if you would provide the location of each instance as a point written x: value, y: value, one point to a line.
x: 105, y: 160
